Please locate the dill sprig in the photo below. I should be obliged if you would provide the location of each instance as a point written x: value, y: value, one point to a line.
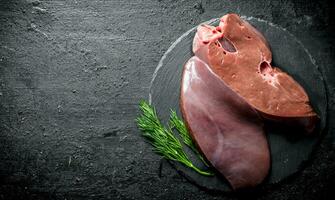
x: 177, y: 123
x: 162, y: 139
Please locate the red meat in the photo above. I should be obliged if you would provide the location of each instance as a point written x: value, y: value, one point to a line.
x: 241, y: 57
x: 227, y: 89
x: 228, y: 131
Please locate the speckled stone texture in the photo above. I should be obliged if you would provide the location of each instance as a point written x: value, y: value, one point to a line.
x: 72, y: 73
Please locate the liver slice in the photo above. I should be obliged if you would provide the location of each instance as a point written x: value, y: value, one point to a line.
x: 227, y: 130
x: 237, y: 53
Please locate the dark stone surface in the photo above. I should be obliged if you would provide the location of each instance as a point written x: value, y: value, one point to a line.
x: 72, y: 73
x: 290, y: 148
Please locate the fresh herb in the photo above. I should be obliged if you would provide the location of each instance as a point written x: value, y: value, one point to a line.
x: 162, y: 139
x: 177, y: 123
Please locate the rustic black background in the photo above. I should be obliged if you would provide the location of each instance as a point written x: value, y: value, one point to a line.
x: 72, y: 73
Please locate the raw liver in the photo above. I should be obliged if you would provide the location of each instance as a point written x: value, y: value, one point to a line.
x: 227, y: 89
x: 241, y: 57
x: 228, y: 131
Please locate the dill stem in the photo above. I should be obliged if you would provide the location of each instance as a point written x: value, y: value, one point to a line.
x: 205, y: 173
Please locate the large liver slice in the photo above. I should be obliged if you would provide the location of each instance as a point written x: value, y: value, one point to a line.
x: 228, y: 131
x: 240, y: 55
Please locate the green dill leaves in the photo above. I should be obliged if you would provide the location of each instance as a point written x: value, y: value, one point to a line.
x: 178, y: 124
x: 164, y: 141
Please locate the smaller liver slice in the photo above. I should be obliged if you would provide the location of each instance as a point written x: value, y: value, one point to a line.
x: 227, y: 130
x: 246, y: 70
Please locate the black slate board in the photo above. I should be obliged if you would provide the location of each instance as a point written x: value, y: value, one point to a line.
x: 290, y: 149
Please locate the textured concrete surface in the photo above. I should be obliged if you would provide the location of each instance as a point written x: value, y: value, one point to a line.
x: 72, y: 73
